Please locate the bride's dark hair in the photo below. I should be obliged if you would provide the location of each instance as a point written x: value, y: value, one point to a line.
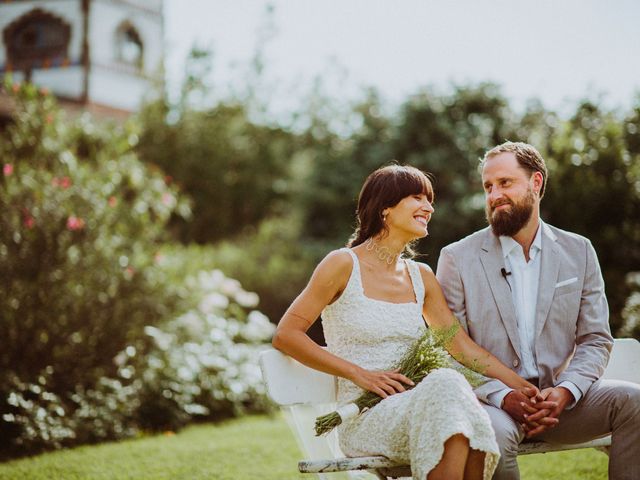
x: 384, y: 188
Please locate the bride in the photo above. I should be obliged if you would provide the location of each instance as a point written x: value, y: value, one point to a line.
x: 375, y: 303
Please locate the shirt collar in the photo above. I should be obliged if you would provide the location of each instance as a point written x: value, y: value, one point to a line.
x: 508, y: 244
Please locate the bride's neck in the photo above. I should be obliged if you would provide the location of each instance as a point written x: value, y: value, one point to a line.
x: 386, y: 250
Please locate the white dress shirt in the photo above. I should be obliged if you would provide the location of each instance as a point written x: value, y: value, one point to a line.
x: 523, y: 279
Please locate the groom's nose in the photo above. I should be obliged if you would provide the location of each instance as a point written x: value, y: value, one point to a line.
x: 494, y: 194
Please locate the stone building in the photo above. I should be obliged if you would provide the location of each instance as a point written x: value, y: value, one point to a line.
x: 102, y: 56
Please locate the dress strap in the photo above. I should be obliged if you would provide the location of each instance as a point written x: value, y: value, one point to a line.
x: 416, y: 280
x: 355, y: 272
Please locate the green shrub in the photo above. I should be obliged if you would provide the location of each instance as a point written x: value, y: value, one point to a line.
x: 631, y: 312
x: 82, y: 220
x: 275, y: 260
x: 96, y: 344
x: 204, y: 363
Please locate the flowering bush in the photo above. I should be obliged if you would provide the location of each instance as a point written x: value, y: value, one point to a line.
x: 82, y: 218
x: 204, y: 363
x: 85, y: 294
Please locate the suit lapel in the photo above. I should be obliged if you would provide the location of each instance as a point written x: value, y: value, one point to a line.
x: 549, y: 268
x: 492, y: 263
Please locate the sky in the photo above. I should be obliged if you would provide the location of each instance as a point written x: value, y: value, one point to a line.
x: 558, y: 51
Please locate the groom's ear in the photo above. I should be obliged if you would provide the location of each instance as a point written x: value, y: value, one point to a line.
x: 538, y: 180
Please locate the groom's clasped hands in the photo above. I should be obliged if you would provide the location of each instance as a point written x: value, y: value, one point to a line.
x: 537, y: 411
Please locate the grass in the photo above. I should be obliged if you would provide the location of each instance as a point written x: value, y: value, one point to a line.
x: 247, y: 448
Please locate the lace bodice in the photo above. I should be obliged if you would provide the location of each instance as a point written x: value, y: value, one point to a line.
x: 373, y: 334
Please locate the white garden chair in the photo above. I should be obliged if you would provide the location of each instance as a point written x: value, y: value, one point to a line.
x: 304, y: 394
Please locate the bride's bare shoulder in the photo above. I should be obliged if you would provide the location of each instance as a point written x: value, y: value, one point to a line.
x: 425, y: 270
x: 337, y: 263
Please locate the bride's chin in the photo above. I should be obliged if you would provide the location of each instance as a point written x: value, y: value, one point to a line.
x: 423, y: 234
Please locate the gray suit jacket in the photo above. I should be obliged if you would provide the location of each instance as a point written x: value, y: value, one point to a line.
x: 572, y: 335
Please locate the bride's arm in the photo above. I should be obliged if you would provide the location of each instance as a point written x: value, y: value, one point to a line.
x: 462, y: 347
x: 326, y: 285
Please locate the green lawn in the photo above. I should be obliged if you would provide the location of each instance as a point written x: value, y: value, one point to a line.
x: 252, y: 447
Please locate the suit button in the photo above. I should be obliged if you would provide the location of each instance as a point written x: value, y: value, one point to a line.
x: 516, y: 362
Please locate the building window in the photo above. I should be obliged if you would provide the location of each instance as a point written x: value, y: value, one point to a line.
x: 38, y: 39
x: 129, y: 47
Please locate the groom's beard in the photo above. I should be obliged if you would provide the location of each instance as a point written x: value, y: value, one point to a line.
x: 510, y: 221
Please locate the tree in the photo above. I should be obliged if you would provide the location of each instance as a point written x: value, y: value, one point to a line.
x: 442, y: 135
x: 593, y: 190
x: 234, y: 169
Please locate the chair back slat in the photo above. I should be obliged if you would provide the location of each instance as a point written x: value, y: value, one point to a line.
x: 291, y: 383
x: 624, y: 363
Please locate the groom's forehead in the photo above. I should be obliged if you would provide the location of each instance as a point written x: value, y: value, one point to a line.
x: 502, y: 165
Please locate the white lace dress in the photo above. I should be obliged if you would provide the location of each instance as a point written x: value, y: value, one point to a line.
x: 411, y: 426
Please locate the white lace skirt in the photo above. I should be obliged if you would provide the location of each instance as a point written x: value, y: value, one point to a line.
x: 414, y: 425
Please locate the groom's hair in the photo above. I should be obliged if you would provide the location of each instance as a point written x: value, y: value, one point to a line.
x: 527, y: 156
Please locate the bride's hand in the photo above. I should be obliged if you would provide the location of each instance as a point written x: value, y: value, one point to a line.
x: 381, y: 383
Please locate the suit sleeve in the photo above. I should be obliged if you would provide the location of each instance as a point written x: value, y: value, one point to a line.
x: 450, y: 280
x: 593, y: 335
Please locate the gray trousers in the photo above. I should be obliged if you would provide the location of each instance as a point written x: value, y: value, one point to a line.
x: 608, y: 407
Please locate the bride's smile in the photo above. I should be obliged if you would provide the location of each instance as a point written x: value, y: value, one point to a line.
x: 412, y: 214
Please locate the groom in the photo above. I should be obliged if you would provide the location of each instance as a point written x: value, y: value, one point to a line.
x: 533, y: 295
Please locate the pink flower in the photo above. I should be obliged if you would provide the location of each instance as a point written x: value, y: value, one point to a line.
x: 15, y: 87
x: 167, y: 199
x: 113, y: 201
x: 49, y: 118
x: 64, y: 182
x: 129, y: 272
x: 29, y: 221
x: 75, y: 223
x: 7, y: 169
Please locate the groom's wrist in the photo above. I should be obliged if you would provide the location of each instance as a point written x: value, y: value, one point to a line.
x: 497, y: 398
x: 576, y: 394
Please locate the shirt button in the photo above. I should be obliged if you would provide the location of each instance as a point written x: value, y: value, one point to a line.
x: 516, y: 362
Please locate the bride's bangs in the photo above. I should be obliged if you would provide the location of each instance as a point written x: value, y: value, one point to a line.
x: 412, y: 181
x: 385, y: 188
